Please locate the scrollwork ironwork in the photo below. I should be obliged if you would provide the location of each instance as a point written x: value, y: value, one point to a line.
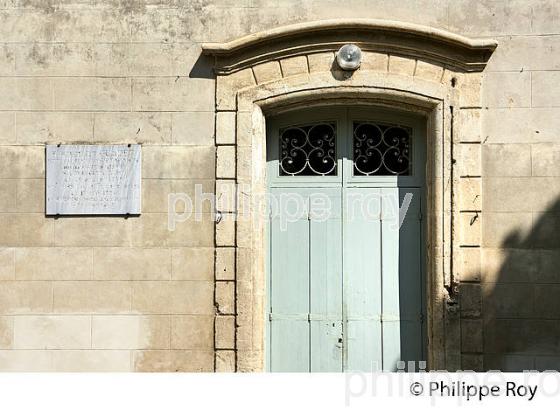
x: 308, y: 150
x: 381, y: 149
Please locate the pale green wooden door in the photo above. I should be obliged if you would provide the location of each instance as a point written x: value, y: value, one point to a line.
x: 345, y: 266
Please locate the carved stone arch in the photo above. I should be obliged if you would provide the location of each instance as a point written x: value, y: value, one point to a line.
x: 406, y: 67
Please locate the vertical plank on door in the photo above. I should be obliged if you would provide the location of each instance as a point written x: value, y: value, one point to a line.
x: 390, y: 274
x: 289, y: 290
x: 362, y: 279
x: 326, y: 280
x: 411, y: 279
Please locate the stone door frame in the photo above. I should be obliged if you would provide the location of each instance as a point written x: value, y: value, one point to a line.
x: 405, y: 67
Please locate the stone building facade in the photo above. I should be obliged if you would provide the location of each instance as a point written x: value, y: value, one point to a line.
x: 193, y: 84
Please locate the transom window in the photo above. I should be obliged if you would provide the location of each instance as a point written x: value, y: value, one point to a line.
x: 380, y: 149
x: 308, y: 150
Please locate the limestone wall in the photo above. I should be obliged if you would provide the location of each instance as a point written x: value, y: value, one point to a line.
x: 116, y: 294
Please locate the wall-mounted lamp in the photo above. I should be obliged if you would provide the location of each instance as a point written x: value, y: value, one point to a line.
x: 349, y: 57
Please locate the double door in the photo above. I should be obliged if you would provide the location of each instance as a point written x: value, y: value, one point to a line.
x: 345, y: 266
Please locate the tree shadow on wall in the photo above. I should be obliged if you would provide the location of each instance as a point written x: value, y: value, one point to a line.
x: 520, y: 289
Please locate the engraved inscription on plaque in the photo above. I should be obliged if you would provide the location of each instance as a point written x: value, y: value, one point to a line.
x: 94, y: 179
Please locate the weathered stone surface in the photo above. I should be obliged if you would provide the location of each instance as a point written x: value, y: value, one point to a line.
x: 176, y: 297
x: 267, y: 72
x: 131, y: 263
x: 193, y: 264
x: 192, y: 332
x: 52, y: 332
x: 130, y: 332
x: 173, y: 360
x: 225, y: 263
x: 506, y: 160
x: 225, y: 127
x: 294, y: 66
x: 193, y: 128
x: 225, y: 297
x: 53, y: 263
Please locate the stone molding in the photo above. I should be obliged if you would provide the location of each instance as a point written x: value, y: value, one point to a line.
x: 382, y: 36
x: 250, y: 89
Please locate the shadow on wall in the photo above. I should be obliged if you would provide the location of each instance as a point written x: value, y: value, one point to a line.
x: 520, y: 289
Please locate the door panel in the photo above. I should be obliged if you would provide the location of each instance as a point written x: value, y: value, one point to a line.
x: 306, y: 281
x: 289, y: 291
x: 362, y: 279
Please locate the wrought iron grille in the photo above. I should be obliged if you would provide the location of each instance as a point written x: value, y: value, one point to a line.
x: 381, y: 149
x: 308, y: 150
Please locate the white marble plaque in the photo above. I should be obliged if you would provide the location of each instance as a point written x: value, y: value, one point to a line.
x: 94, y: 179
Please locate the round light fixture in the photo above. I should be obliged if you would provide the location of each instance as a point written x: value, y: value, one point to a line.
x: 349, y: 57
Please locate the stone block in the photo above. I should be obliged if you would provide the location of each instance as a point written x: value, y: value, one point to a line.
x: 471, y: 335
x: 172, y: 94
x: 91, y: 360
x: 509, y: 265
x: 7, y: 264
x: 401, y: 65
x: 225, y: 230
x: 131, y: 263
x: 490, y: 18
x: 53, y: 263
x: 181, y: 162
x: 225, y: 263
x: 547, y: 301
x: 30, y: 195
x: 25, y: 297
x: 267, y: 72
x: 100, y: 231
x: 52, y: 332
x: 92, y: 297
x: 545, y: 159
x: 26, y: 230
x: 228, y: 85
x: 544, y: 85
x: 193, y: 264
x: 193, y: 128
x: 469, y: 194
x: 468, y: 159
x: 96, y: 94
x: 8, y: 193
x: 6, y: 332
x: 294, y: 66
x: 196, y: 231
x: 428, y: 71
x: 225, y: 161
x: 7, y: 127
x: 505, y: 229
x: 133, y: 127
x: 511, y: 89
x: 225, y: 127
x: 26, y: 93
x: 192, y: 332
x: 226, y: 195
x: 22, y: 162
x: 225, y: 297
x: 470, y: 228
x: 55, y: 60
x: 512, y: 160
x: 225, y: 361
x: 225, y: 332
x: 173, y: 361
x: 469, y: 125
x: 26, y: 361
x: 508, y: 300
x: 470, y: 299
x: 469, y: 264
x: 473, y: 362
x: 131, y: 332
x: 174, y: 297
x: 320, y: 62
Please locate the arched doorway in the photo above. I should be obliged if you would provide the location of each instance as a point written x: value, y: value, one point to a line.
x: 345, y: 262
